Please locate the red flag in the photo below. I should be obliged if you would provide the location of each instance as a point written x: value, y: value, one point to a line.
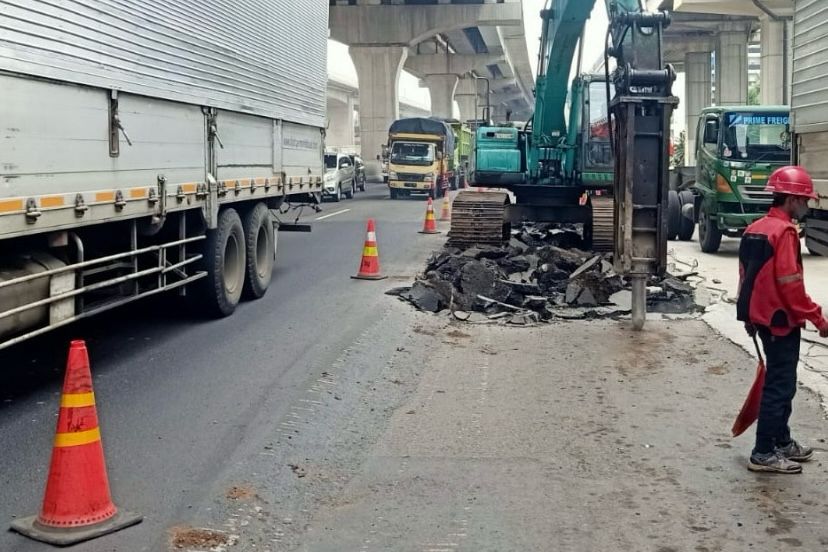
x: 750, y: 409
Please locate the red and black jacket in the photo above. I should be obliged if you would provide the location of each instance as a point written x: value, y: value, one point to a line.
x: 771, y: 285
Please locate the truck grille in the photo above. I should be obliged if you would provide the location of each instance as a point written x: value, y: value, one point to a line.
x: 410, y: 177
x: 755, y: 193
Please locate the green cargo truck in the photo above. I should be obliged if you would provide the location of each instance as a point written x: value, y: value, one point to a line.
x: 463, y: 139
x: 736, y: 150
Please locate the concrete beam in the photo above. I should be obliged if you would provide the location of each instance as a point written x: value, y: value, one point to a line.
x: 509, y: 96
x: 730, y: 7
x: 458, y: 64
x: 501, y: 84
x: 676, y: 46
x: 517, y: 56
x: 407, y: 25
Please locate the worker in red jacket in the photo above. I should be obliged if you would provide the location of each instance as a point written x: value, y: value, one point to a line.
x: 773, y: 304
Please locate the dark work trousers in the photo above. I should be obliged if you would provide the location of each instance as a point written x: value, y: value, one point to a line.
x: 781, y: 358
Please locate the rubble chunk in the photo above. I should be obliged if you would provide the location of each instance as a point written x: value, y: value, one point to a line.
x: 424, y: 297
x: 584, y: 267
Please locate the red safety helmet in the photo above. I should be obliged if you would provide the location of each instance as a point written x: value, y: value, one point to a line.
x: 791, y: 180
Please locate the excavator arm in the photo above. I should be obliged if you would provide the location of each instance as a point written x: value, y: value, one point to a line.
x: 537, y: 163
x: 639, y: 118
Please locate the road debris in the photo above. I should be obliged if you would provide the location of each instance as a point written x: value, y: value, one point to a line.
x: 194, y: 538
x: 542, y: 274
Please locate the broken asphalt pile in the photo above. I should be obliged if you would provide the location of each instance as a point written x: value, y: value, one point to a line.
x: 541, y: 274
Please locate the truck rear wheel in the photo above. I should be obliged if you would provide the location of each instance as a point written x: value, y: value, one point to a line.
x: 710, y: 237
x: 673, y: 214
x: 224, y: 262
x: 687, y: 226
x: 260, y: 249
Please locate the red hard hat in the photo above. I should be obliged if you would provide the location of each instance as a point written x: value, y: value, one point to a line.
x: 791, y: 180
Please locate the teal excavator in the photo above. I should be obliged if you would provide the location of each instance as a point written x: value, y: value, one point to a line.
x: 606, y: 167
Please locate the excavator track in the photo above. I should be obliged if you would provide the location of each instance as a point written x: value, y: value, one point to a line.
x: 603, y: 224
x: 478, y: 218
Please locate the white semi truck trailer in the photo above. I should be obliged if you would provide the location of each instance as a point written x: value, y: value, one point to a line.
x: 809, y: 111
x: 146, y: 145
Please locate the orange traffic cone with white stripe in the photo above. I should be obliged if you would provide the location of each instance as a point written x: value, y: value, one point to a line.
x: 77, y: 505
x: 369, y: 267
x: 445, y: 211
x: 430, y: 223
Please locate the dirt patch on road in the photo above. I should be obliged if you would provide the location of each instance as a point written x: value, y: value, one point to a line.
x: 718, y: 370
x: 241, y: 492
x: 187, y: 538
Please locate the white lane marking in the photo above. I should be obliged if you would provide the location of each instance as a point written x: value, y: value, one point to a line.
x: 323, y: 217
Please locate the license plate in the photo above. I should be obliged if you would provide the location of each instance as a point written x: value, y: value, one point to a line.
x: 410, y: 185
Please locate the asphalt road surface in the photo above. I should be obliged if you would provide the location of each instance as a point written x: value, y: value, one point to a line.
x: 178, y: 396
x: 330, y: 417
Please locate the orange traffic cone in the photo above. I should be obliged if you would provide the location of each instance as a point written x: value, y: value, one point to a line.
x: 76, y: 505
x: 369, y: 267
x: 430, y: 223
x: 445, y: 212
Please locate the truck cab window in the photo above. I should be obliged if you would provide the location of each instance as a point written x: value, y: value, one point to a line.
x: 711, y: 135
x: 412, y: 153
x: 756, y: 137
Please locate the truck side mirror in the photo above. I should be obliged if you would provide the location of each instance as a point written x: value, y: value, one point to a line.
x: 439, y: 155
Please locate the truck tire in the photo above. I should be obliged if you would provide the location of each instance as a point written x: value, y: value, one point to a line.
x: 687, y: 227
x: 673, y: 214
x: 710, y: 237
x: 393, y: 192
x: 260, y: 250
x: 224, y: 261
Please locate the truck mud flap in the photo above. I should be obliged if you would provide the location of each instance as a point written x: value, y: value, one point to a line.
x: 293, y: 227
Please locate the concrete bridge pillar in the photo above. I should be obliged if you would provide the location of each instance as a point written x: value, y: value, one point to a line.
x: 697, y: 96
x: 467, y: 100
x: 341, y: 127
x: 378, y: 70
x: 731, y: 68
x: 773, y: 80
x: 441, y: 87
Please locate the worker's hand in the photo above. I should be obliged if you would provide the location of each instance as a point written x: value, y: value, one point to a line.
x: 750, y: 329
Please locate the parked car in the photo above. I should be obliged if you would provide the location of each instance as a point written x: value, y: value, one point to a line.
x: 359, y: 172
x: 339, y: 177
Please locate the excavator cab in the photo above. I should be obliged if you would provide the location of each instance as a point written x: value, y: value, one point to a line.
x: 594, y: 158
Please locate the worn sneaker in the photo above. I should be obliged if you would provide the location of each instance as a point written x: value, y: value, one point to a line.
x: 796, y: 452
x: 773, y: 462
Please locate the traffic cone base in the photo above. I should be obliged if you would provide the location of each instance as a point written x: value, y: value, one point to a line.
x: 65, y: 536
x: 430, y: 223
x: 445, y: 211
x: 77, y: 505
x: 369, y: 268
